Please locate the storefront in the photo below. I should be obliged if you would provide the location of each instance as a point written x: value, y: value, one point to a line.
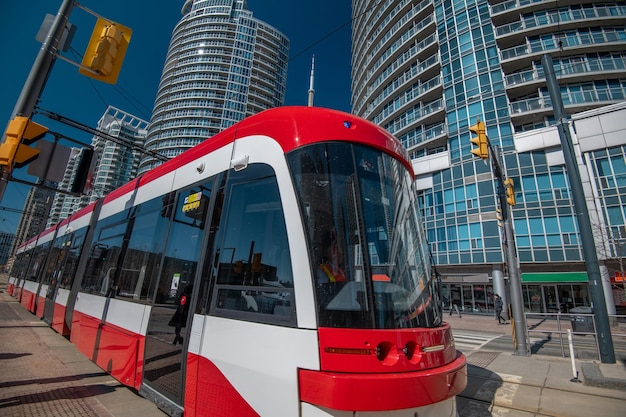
x: 549, y: 292
x: 471, y: 298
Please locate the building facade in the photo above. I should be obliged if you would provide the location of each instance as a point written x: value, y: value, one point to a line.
x: 34, y: 215
x: 117, y: 154
x: 427, y: 70
x: 222, y: 65
x: 6, y: 243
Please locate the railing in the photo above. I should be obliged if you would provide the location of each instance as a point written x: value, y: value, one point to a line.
x: 548, y: 324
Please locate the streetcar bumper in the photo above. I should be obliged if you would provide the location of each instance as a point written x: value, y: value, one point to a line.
x: 383, y: 391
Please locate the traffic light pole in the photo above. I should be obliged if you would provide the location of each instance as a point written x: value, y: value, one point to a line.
x: 605, y: 340
x: 506, y: 197
x: 517, y: 301
x: 38, y: 76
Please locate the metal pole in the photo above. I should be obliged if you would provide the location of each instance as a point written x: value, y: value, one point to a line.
x: 605, y: 341
x: 517, y: 301
x: 516, y: 291
x: 38, y: 76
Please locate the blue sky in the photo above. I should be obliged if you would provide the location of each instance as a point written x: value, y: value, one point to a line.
x: 312, y: 28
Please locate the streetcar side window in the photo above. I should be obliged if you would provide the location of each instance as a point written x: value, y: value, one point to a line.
x: 184, y: 243
x: 74, y: 246
x: 104, y: 253
x: 253, y: 265
x: 38, y: 263
x: 142, y: 256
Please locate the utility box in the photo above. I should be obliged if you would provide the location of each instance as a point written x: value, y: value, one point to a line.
x: 582, y: 324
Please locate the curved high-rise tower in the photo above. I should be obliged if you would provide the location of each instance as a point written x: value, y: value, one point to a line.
x: 222, y: 66
x: 425, y: 70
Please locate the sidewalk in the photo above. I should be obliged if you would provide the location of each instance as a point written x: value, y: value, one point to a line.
x: 503, y: 383
x: 43, y: 374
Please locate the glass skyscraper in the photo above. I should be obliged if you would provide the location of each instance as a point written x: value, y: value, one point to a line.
x: 222, y: 66
x: 427, y: 70
x: 116, y: 162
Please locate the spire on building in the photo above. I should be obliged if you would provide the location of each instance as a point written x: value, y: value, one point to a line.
x: 311, y: 90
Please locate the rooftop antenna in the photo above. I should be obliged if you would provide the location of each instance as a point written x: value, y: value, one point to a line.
x: 311, y: 90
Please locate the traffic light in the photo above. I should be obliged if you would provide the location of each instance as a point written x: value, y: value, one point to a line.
x: 105, y: 51
x: 480, y: 140
x: 499, y: 217
x: 84, y: 172
x: 20, y: 132
x: 510, y: 191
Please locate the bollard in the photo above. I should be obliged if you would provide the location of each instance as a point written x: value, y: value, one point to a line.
x: 570, y: 341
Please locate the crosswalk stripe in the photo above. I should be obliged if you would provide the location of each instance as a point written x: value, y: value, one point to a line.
x: 471, y: 341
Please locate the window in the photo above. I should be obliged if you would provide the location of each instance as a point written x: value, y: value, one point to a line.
x: 254, y: 274
x: 75, y: 243
x: 142, y: 257
x: 104, y: 254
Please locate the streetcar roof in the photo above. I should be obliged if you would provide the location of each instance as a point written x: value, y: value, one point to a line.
x: 291, y: 127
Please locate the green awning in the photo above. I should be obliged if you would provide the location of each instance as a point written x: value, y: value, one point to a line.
x: 554, y: 277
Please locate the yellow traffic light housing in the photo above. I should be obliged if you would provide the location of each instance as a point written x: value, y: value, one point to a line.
x: 510, y: 191
x: 480, y: 140
x: 20, y: 132
x: 105, y: 51
x: 499, y: 217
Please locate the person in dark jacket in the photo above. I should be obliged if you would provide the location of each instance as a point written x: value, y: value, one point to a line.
x: 179, y: 319
x: 498, y: 305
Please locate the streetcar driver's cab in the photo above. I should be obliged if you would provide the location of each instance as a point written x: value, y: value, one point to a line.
x: 359, y: 199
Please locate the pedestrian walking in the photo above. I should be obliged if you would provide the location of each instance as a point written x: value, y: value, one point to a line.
x: 454, y: 306
x: 497, y: 303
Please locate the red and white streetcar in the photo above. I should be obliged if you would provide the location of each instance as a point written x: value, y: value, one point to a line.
x: 277, y: 269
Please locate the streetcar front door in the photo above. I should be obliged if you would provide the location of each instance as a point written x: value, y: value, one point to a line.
x: 175, y: 300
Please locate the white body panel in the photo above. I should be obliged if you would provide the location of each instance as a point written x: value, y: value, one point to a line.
x: 82, y: 221
x: 62, y: 296
x: 43, y: 290
x: 90, y: 305
x: 115, y: 206
x: 260, y: 360
x: 130, y: 316
x: 30, y: 286
x: 153, y: 189
x: 46, y: 238
x: 211, y: 164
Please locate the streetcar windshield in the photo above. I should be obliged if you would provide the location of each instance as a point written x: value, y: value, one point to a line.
x: 368, y: 251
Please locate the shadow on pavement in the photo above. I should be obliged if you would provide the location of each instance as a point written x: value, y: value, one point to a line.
x: 42, y: 381
x: 66, y: 393
x: 478, y: 397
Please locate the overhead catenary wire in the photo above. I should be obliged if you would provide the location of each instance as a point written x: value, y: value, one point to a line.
x: 120, y: 141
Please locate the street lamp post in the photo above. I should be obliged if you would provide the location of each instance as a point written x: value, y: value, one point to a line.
x: 605, y: 340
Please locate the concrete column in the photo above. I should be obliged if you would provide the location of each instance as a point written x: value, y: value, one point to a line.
x: 499, y: 287
x: 608, y: 289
